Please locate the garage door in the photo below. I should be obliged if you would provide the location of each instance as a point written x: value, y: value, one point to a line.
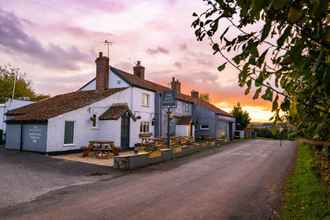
x: 29, y: 137
x: 34, y: 137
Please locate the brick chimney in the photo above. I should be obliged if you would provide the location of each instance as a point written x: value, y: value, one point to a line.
x: 139, y: 70
x: 176, y: 85
x: 194, y: 94
x: 102, y: 72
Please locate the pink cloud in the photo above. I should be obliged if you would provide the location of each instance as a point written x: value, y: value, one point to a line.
x: 164, y: 31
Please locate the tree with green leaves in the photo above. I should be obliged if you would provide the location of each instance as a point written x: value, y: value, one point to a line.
x: 242, y: 117
x: 10, y: 75
x: 281, y: 50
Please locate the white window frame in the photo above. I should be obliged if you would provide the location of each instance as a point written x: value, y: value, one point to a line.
x: 145, y: 127
x: 186, y: 107
x: 145, y: 100
x: 201, y: 127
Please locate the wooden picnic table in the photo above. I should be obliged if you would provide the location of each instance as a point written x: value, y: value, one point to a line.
x: 102, y: 149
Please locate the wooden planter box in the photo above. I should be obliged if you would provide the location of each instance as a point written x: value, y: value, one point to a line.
x: 134, y: 161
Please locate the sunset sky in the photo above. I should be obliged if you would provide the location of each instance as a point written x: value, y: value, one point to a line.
x: 56, y: 42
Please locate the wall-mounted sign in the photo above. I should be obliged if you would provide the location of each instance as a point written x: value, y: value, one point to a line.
x: 35, y: 134
x: 169, y: 99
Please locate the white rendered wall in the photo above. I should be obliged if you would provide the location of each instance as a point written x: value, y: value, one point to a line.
x: 114, y: 82
x: 83, y: 130
x: 110, y: 130
x: 134, y: 100
x: 182, y: 130
x: 147, y: 113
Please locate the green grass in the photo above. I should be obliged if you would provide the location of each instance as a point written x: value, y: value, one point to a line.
x: 305, y: 197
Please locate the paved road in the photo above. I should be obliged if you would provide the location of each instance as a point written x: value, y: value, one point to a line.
x: 24, y: 176
x: 241, y: 182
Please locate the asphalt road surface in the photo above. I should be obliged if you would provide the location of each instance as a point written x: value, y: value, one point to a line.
x: 243, y: 181
x: 25, y: 176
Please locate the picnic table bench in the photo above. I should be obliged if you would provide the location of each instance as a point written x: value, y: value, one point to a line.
x: 102, y: 149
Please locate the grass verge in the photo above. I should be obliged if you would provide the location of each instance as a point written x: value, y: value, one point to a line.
x: 305, y: 196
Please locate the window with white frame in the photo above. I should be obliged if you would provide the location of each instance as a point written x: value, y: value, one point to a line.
x: 68, y: 132
x: 186, y: 107
x: 204, y: 127
x: 145, y: 127
x: 145, y: 100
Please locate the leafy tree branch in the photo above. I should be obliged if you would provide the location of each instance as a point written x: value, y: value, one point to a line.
x: 291, y: 50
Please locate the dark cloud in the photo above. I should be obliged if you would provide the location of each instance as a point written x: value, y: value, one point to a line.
x: 205, y: 61
x: 14, y: 40
x: 178, y: 65
x: 183, y: 47
x: 205, y: 77
x: 158, y: 50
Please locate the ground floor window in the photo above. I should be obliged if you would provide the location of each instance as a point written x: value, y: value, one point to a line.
x: 68, y: 132
x: 145, y: 127
x: 204, y: 127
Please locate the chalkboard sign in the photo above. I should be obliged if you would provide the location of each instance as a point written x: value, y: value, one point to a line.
x: 169, y: 99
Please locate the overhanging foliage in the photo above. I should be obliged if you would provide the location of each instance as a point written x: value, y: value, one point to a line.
x: 281, y: 50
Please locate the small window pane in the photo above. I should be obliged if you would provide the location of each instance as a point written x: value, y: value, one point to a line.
x: 204, y: 127
x: 68, y: 132
x: 144, y: 127
x: 145, y: 99
x: 186, y: 107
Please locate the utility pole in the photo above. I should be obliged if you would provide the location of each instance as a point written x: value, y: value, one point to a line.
x: 14, y: 88
x: 107, y: 44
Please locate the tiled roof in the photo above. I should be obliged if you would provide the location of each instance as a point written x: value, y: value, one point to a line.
x: 183, y: 120
x: 146, y: 84
x: 212, y: 107
x: 57, y: 105
x: 114, y: 112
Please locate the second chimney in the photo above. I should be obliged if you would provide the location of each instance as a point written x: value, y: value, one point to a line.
x: 176, y: 85
x: 139, y: 70
x: 195, y: 94
x: 102, y: 72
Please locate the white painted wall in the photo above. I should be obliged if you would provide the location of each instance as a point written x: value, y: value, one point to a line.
x: 114, y: 82
x: 90, y: 86
x: 83, y: 130
x: 110, y: 130
x: 107, y: 129
x: 182, y: 130
x: 147, y: 113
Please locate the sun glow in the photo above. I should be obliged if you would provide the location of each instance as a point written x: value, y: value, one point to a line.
x: 257, y: 113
